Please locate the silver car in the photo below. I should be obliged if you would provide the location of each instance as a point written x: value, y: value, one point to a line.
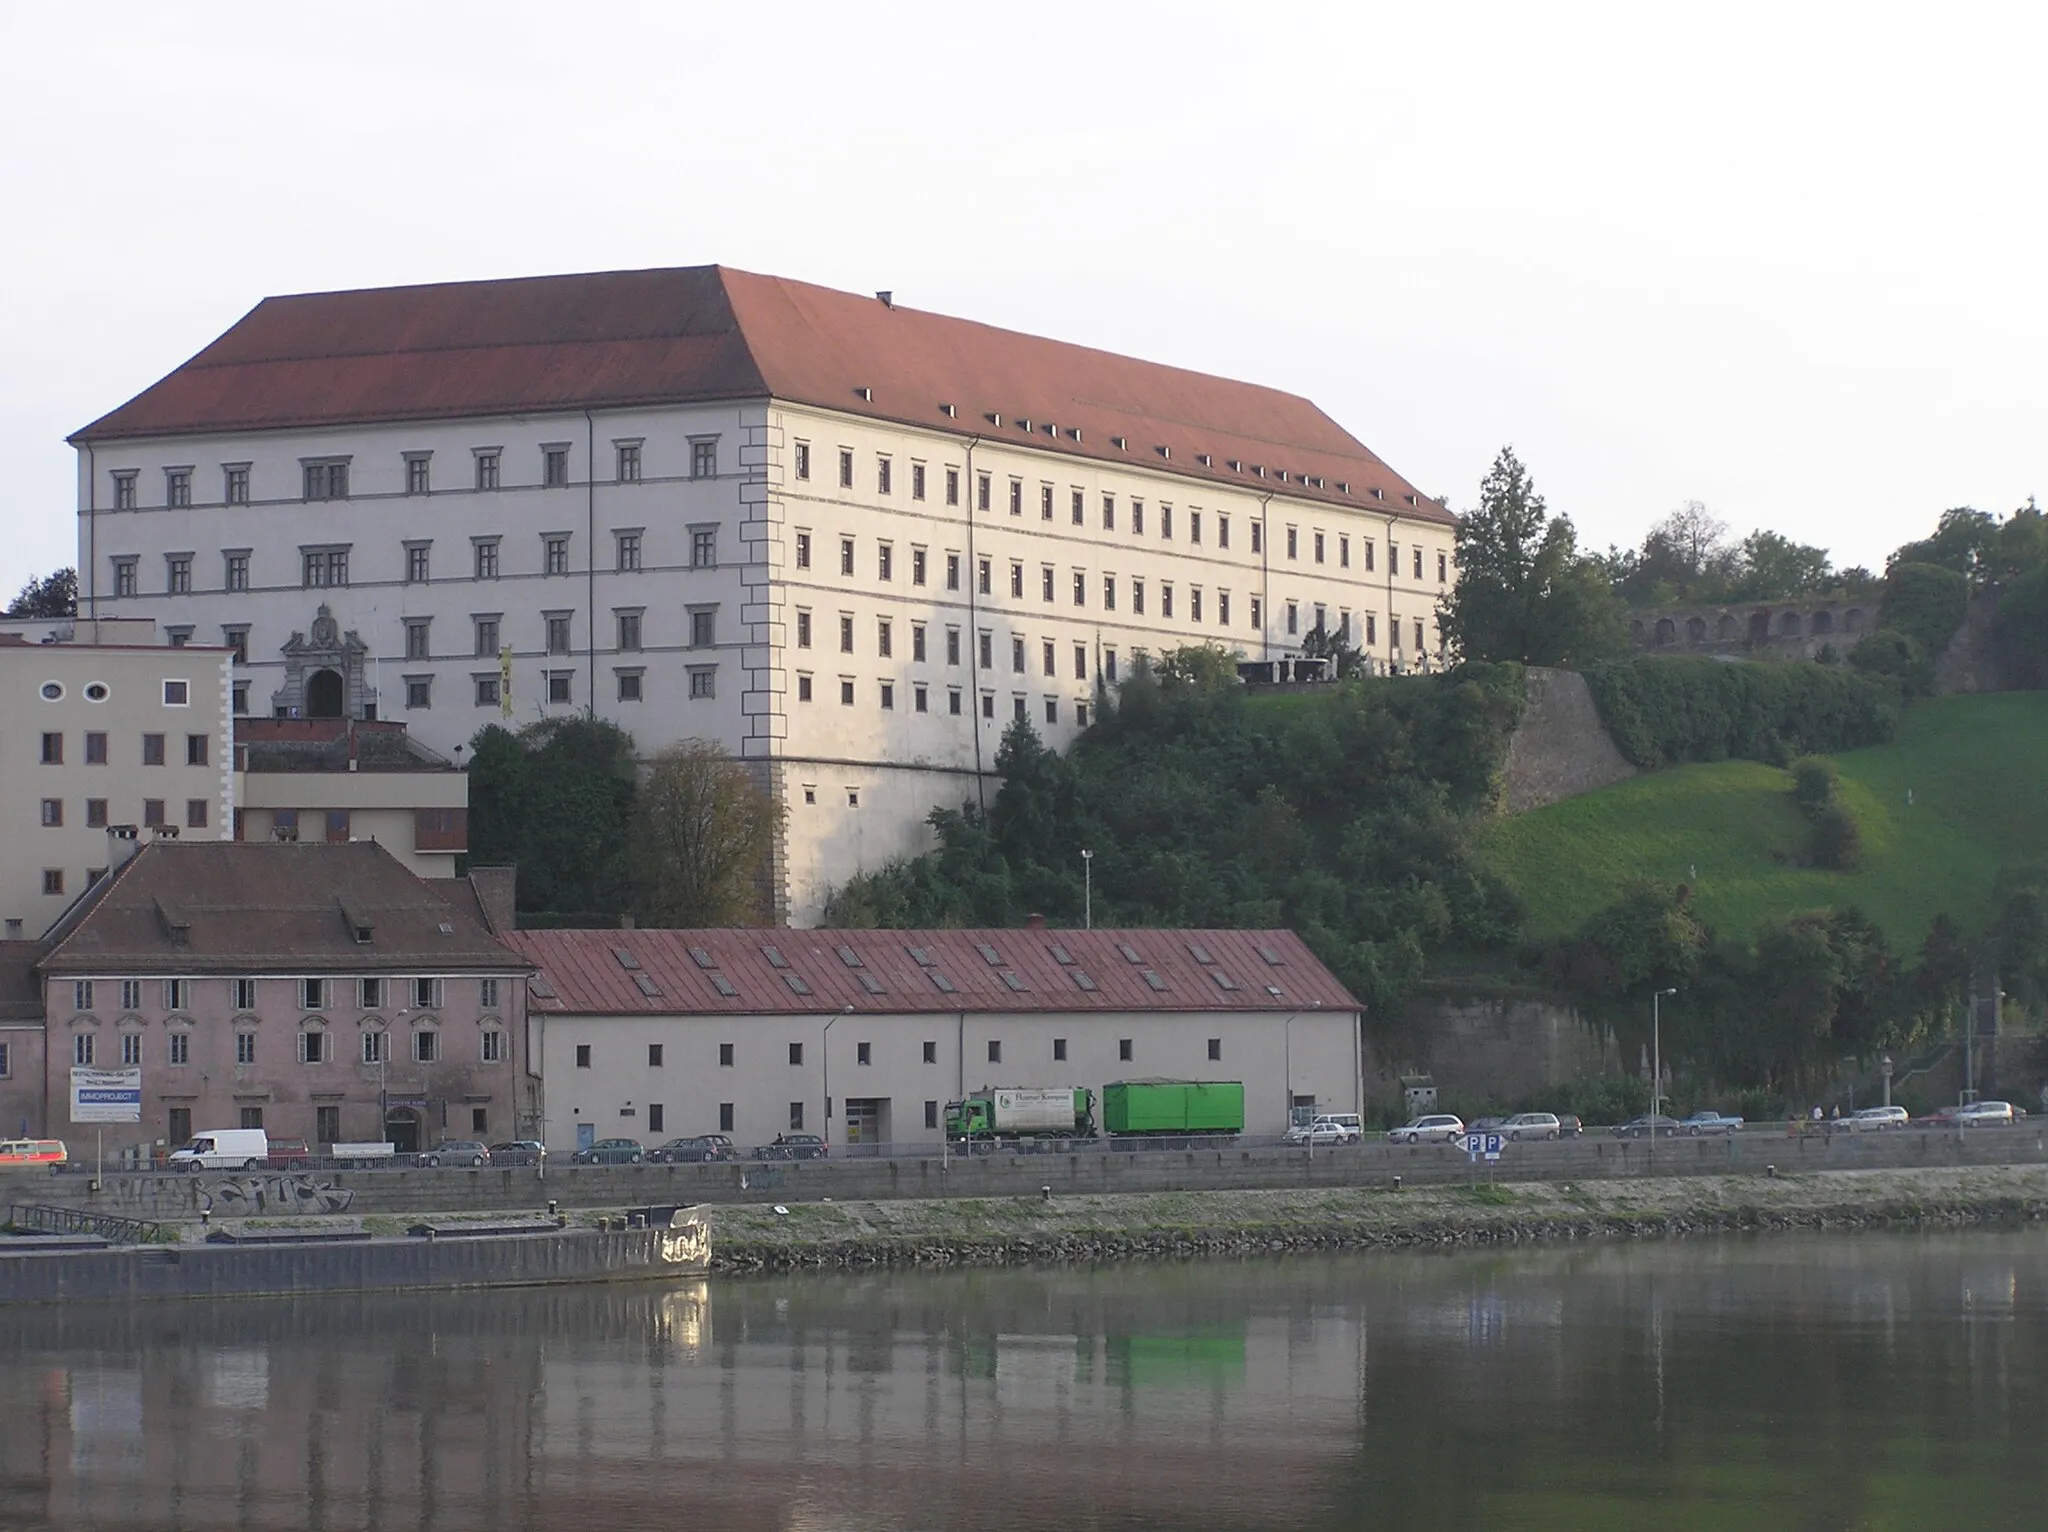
x: 1877, y: 1119
x: 1438, y: 1128
x: 1531, y: 1125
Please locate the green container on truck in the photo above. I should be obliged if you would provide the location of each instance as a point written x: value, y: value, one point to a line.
x: 1028, y: 1112
x: 1132, y: 1108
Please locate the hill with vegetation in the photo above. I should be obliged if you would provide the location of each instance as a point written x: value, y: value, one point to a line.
x: 1956, y: 796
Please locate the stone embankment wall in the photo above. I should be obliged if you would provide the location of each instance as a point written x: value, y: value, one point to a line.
x: 1560, y: 748
x: 1091, y: 1171
x: 1498, y: 1050
x: 1026, y: 1231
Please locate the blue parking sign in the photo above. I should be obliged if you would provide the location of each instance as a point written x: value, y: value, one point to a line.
x: 1493, y: 1146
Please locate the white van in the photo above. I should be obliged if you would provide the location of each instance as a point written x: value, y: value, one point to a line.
x: 223, y: 1149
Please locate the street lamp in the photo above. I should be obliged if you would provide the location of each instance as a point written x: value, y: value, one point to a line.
x: 1885, y: 1064
x: 825, y: 1046
x: 1087, y: 890
x: 1656, y: 1064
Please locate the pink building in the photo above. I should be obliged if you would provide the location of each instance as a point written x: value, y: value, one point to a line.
x: 316, y: 990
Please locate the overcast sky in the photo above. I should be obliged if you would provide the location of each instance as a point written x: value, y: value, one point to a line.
x: 1785, y: 259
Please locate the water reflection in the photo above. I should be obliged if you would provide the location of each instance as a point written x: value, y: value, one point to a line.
x: 1782, y: 1383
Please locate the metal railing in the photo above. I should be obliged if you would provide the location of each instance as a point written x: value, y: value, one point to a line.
x: 42, y: 1219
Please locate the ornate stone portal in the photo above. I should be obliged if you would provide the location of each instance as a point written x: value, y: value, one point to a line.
x: 323, y: 674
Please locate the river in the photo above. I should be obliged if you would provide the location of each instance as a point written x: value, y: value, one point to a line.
x: 1794, y: 1382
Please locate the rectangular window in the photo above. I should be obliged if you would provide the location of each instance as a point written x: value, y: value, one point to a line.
x: 95, y: 813
x: 952, y: 646
x: 1109, y: 593
x: 81, y: 995
x: 1194, y: 525
x: 845, y: 468
x: 1048, y: 658
x: 846, y: 633
x: 1080, y: 662
x: 885, y: 642
x: 1137, y: 596
x: 796, y: 1116
x: 1343, y: 551
x: 245, y: 1047
x: 984, y: 576
x: 326, y: 1125
x: 1442, y: 568
x: 1223, y: 609
x: 1222, y: 530
x: 917, y: 566
x: 236, y: 575
x: 1052, y: 710
x: 1059, y: 1050
x: 952, y: 486
x: 1016, y: 497
x: 195, y: 749
x: 1418, y: 636
x: 917, y: 481
x: 1293, y: 619
x: 1215, y: 1050
x: 654, y: 1055
x: 917, y: 631
x: 631, y: 685
x: 629, y: 631
x: 131, y: 1048
x: 1138, y: 518
x: 487, y: 994
x: 561, y: 685
x: 885, y: 562
x: 1109, y: 664
x: 416, y: 563
x: 178, y: 574
x: 981, y: 491
x: 725, y: 1055
x: 628, y: 470
x: 884, y: 475
x: 995, y: 1050
x: 803, y: 550
x: 863, y: 1053
x: 1078, y: 509
x: 803, y: 629
x: 986, y: 649
x: 418, y: 466
x: 725, y: 1116
x: 953, y: 702
x: 554, y: 467
x: 846, y: 555
x: 845, y: 693
x: 558, y: 635
x: 1367, y: 549
x: 486, y: 637
x: 1017, y: 654
x: 796, y: 1053
x: 931, y: 1114
x: 124, y: 577
x: 244, y: 994
x: 1293, y: 542
x: 487, y: 469
x: 1418, y: 561
x: 426, y: 1047
x: 554, y: 550
x: 1318, y: 547
x: 1080, y: 588
x: 703, y: 628
x: 312, y: 1047
x: 703, y: 547
x: 370, y: 993
x: 952, y: 571
x: 195, y: 813
x: 803, y: 460
x: 235, y: 483
x: 627, y: 549
x: 920, y: 699
x: 1016, y: 579
x: 153, y: 813
x: 313, y: 994
x: 1123, y: 1050
x: 323, y: 567
x: 1194, y: 603
x: 583, y: 1055
x: 703, y: 682
x: 1166, y: 522
x: 1045, y: 502
x: 326, y: 481
x: 152, y: 749
x: 656, y: 1117
x: 1165, y: 599
x: 82, y: 1050
x: 1258, y: 612
x: 53, y: 813
x: 486, y: 558
x: 180, y: 1049
x: 803, y: 688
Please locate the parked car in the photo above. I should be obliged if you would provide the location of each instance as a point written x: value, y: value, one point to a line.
x: 1350, y: 1122
x: 287, y: 1153
x: 1706, y: 1124
x: 223, y: 1149
x: 1486, y: 1125
x: 1643, y: 1127
x: 693, y: 1151
x: 1523, y: 1125
x: 611, y: 1151
x: 457, y: 1151
x: 792, y: 1146
x: 32, y: 1151
x: 519, y: 1151
x: 1437, y: 1128
x: 1982, y: 1114
x: 1570, y: 1126
x: 1877, y: 1119
x: 1323, y: 1131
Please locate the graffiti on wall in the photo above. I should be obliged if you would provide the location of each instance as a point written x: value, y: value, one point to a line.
x: 246, y: 1196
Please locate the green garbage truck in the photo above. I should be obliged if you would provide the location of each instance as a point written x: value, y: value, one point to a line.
x: 1011, y: 1113
x: 1177, y: 1108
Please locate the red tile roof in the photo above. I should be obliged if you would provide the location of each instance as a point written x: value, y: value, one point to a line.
x: 773, y: 971
x: 197, y: 906
x: 692, y: 334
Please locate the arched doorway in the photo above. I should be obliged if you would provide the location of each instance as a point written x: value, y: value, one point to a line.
x: 323, y: 694
x: 402, y: 1130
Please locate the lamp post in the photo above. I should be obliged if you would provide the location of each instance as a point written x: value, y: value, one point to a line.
x: 1885, y: 1064
x: 825, y: 1047
x: 1656, y: 1064
x: 1087, y: 890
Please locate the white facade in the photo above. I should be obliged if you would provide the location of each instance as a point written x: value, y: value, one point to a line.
x: 889, y: 1077
x: 789, y: 581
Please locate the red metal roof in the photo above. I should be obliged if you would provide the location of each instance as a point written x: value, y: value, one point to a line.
x: 690, y: 334
x: 772, y: 971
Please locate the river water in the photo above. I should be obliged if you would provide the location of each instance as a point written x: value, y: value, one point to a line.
x: 1847, y: 1382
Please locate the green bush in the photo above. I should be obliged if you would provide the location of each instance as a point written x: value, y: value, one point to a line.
x: 1837, y: 843
x: 1925, y: 602
x: 1665, y: 709
x: 1814, y: 781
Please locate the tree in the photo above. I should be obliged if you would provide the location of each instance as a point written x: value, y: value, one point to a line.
x: 54, y: 595
x: 703, y: 830
x: 1963, y: 540
x: 1524, y: 591
x: 1770, y: 567
x: 557, y: 800
x: 1926, y: 602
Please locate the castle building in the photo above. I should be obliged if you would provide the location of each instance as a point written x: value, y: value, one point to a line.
x: 846, y: 540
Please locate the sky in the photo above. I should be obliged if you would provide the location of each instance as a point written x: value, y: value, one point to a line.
x: 1785, y: 259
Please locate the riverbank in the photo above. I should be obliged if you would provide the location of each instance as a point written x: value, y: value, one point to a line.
x: 1179, y: 1225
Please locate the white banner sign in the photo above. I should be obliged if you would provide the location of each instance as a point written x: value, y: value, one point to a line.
x: 106, y: 1095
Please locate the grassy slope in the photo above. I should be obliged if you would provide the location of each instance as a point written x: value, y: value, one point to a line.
x: 1978, y: 771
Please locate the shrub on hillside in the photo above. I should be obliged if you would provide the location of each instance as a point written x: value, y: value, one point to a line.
x: 1897, y: 658
x: 1814, y: 780
x: 1837, y: 843
x: 1665, y: 709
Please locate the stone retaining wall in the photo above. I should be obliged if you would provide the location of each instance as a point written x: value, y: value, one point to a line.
x: 1086, y: 1171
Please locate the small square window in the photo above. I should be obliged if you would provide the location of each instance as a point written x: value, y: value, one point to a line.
x: 1123, y: 1050
x: 725, y: 1055
x: 1059, y: 1050
x: 796, y: 1053
x: 1215, y: 1049
x: 583, y: 1055
x: 630, y: 682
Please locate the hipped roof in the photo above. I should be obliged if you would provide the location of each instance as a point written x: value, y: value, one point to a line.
x: 620, y: 339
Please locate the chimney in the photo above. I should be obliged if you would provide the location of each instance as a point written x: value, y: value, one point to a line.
x: 1034, y: 922
x: 496, y: 890
x: 887, y: 299
x: 123, y: 841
